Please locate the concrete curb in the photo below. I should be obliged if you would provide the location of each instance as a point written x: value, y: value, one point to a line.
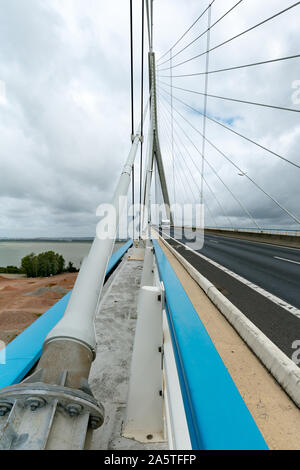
x: 283, y: 369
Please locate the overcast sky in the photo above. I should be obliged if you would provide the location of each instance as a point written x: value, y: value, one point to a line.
x: 65, y: 110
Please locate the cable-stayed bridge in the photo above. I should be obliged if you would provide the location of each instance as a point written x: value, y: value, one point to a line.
x: 188, y: 337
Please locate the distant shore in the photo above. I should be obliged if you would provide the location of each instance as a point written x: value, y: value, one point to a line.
x: 13, y: 276
x: 12, y: 251
x: 55, y: 240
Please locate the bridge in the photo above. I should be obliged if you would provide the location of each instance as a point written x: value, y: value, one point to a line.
x: 187, y: 337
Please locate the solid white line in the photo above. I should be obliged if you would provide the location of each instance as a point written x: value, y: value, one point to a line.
x: 276, y: 300
x: 255, y: 243
x: 288, y: 260
x: 283, y: 369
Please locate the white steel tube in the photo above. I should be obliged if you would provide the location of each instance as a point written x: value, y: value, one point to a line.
x: 149, y: 168
x: 147, y: 208
x: 78, y: 321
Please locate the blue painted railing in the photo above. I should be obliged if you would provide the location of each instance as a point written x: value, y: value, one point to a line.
x: 115, y: 257
x: 25, y: 350
x: 217, y: 416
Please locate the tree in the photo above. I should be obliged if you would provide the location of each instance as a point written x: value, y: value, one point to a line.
x: 29, y: 264
x: 71, y: 268
x: 43, y: 265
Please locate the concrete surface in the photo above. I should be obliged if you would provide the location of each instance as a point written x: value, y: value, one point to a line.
x: 115, y: 328
x: 276, y: 239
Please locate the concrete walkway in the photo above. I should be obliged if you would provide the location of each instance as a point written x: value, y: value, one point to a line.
x: 115, y: 329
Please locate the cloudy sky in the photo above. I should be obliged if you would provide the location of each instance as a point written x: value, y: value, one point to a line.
x: 65, y: 110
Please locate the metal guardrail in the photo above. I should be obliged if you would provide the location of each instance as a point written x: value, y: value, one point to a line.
x: 216, y: 414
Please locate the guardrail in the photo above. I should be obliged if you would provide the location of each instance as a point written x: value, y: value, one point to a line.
x: 216, y: 414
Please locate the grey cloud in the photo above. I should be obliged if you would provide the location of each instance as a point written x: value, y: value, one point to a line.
x: 65, y: 131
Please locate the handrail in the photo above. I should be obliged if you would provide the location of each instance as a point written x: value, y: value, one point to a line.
x: 216, y: 413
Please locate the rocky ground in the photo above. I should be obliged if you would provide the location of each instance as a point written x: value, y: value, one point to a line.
x: 23, y: 300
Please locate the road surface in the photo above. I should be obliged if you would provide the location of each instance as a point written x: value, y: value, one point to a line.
x: 273, y: 268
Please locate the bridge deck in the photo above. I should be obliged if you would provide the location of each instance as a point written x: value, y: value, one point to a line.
x: 275, y: 414
x: 261, y: 266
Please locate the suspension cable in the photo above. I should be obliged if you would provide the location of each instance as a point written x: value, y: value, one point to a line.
x: 142, y: 111
x: 132, y: 93
x: 189, y: 170
x: 131, y: 70
x: 264, y: 62
x: 198, y: 169
x: 216, y: 173
x: 236, y: 36
x: 235, y: 132
x: 233, y: 99
x: 186, y: 32
x: 207, y: 30
x: 205, y: 100
x: 185, y: 186
x: 244, y: 174
x: 148, y: 24
x: 172, y: 130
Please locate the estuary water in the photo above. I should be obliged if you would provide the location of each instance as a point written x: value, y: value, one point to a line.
x: 11, y: 252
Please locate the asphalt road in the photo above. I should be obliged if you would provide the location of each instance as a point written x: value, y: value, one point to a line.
x: 274, y: 268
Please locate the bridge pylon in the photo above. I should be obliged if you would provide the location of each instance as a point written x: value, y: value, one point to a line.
x: 154, y: 147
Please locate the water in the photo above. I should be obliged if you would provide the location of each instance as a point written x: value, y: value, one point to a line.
x: 11, y: 253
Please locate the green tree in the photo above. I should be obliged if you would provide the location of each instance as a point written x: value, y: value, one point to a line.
x: 71, y: 268
x: 29, y: 264
x: 43, y: 265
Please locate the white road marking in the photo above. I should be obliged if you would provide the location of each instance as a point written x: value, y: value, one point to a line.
x: 276, y: 300
x: 288, y: 260
x: 256, y: 243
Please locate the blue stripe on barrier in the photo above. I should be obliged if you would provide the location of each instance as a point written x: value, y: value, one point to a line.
x: 25, y: 350
x: 115, y: 257
x: 217, y: 416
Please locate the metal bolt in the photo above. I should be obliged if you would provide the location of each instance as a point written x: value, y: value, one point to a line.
x: 5, y: 408
x: 35, y: 403
x: 95, y: 422
x: 73, y: 410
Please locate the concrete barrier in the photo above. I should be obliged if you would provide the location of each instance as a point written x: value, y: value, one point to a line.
x: 275, y: 237
x: 292, y: 241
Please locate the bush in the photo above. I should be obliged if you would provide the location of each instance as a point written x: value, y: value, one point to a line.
x: 71, y: 268
x: 11, y: 270
x: 43, y: 265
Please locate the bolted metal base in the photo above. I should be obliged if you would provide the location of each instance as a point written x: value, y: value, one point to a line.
x: 54, y: 408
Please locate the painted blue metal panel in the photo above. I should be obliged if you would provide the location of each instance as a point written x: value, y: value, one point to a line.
x: 217, y: 416
x: 25, y: 350
x: 115, y: 257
